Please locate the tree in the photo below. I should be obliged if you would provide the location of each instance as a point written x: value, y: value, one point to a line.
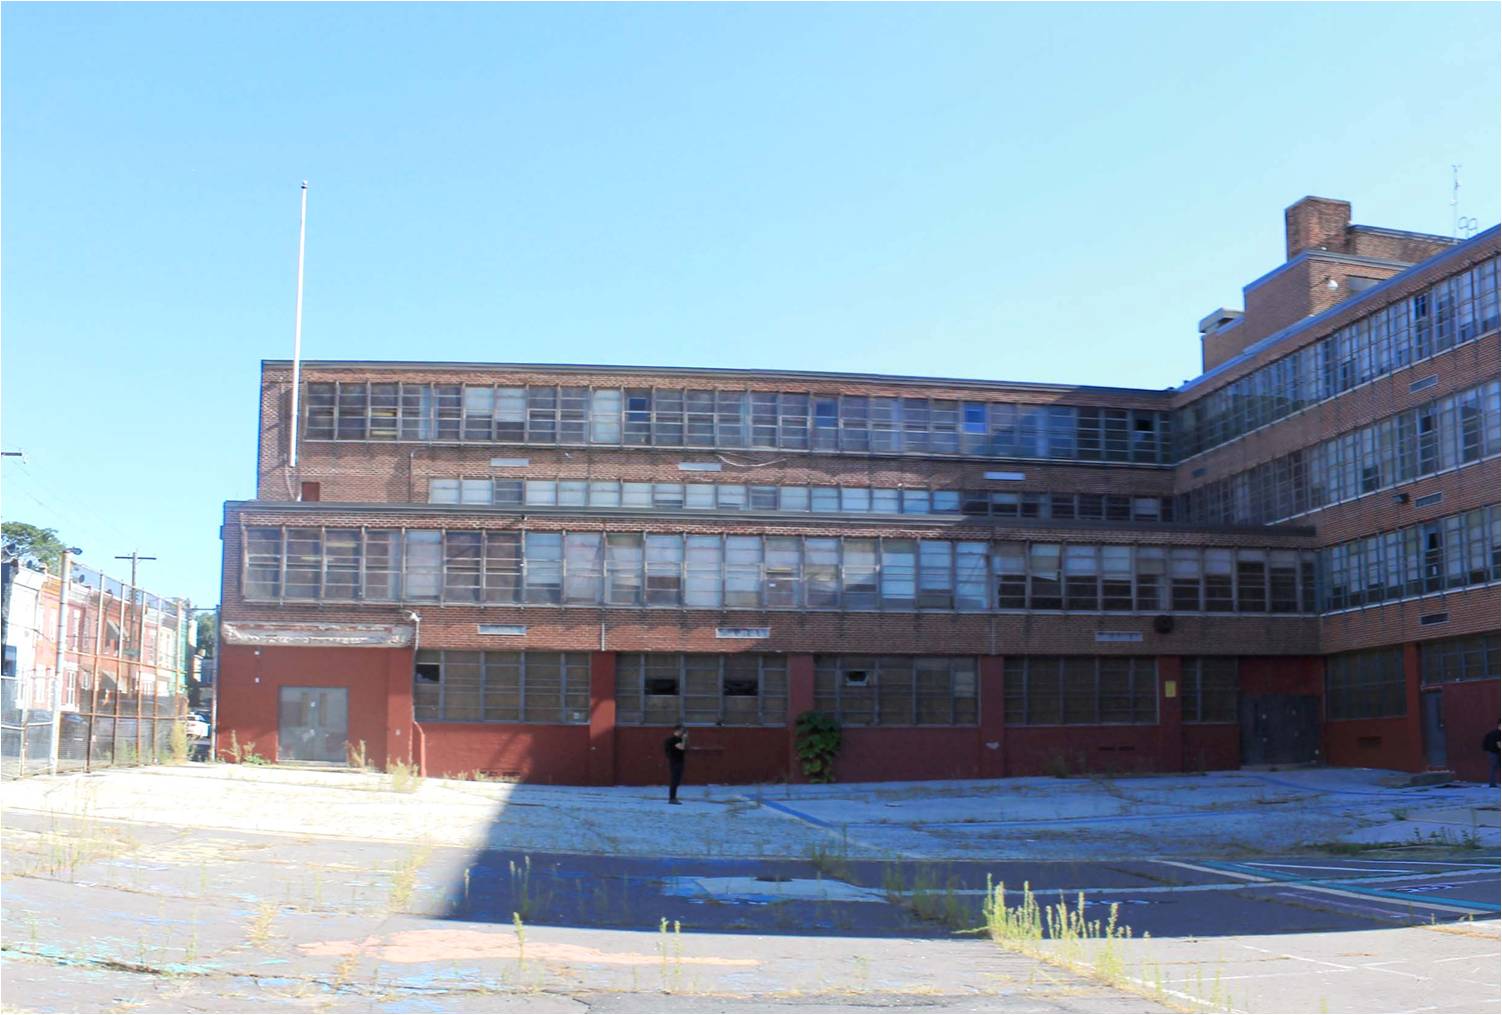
x: 208, y: 632
x: 31, y: 543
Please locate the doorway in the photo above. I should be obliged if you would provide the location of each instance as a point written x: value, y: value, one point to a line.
x: 313, y: 724
x: 1279, y: 729
x: 1436, y: 751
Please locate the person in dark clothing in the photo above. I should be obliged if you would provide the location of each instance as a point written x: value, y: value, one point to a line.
x: 676, y: 748
x: 1490, y: 746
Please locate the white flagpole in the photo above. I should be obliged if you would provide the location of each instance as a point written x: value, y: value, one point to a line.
x: 302, y: 236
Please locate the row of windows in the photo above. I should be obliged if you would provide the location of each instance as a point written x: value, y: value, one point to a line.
x: 1454, y: 659
x: 897, y: 690
x: 531, y: 687
x: 1447, y: 553
x: 1365, y: 685
x: 718, y: 690
x: 1208, y: 686
x: 748, y: 689
x: 1458, y: 309
x: 771, y: 572
x: 610, y: 493
x: 1080, y: 690
x: 705, y: 418
x: 1441, y: 435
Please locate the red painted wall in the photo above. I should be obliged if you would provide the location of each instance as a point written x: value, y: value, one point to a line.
x: 716, y: 754
x: 1375, y: 743
x: 903, y: 752
x: 1470, y: 710
x: 380, y: 695
x: 1282, y: 675
x: 531, y: 753
x: 1211, y: 747
x: 1051, y: 750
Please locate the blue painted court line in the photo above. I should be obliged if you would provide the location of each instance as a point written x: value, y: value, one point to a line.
x: 797, y: 814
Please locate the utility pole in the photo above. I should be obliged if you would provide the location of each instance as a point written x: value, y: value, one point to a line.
x: 140, y: 625
x: 57, y: 672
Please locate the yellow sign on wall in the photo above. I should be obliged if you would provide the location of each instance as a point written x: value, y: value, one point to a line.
x: 1170, y: 688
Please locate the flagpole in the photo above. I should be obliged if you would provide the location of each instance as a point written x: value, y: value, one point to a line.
x: 302, y: 236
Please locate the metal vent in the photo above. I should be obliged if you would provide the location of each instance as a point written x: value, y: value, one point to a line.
x: 511, y: 630
x: 1429, y: 498
x: 1424, y: 382
x: 1197, y: 473
x: 1429, y: 619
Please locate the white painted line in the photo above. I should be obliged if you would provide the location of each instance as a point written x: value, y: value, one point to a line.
x: 1465, y: 958
x: 1218, y: 873
x: 1312, y: 867
x: 1301, y: 958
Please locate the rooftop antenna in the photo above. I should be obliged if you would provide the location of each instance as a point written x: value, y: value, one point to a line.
x: 1463, y: 225
x: 1455, y: 200
x: 302, y: 236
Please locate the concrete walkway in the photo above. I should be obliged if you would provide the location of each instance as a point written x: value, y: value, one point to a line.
x: 227, y: 888
x: 1224, y: 814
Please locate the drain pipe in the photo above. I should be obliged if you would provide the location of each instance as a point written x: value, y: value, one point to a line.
x: 412, y: 758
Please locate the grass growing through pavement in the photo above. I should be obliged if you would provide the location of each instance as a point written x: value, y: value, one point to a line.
x: 404, y: 778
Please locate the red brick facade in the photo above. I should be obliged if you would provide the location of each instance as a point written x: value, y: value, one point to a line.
x: 365, y: 484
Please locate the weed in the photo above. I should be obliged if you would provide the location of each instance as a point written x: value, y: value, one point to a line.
x: 672, y: 973
x: 177, y: 743
x: 1025, y: 927
x: 832, y: 863
x: 244, y: 754
x: 405, y: 778
x: 355, y: 755
x: 258, y: 931
x: 521, y: 943
x: 521, y: 886
x: 1400, y: 813
x: 404, y: 878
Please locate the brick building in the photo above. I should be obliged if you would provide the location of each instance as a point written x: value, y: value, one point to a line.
x: 532, y: 570
x: 121, y: 687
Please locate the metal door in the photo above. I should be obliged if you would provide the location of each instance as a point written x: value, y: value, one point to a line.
x: 313, y: 724
x: 1279, y: 729
x: 1436, y: 753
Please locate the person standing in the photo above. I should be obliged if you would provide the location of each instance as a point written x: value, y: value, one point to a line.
x: 676, y: 748
x: 1490, y: 746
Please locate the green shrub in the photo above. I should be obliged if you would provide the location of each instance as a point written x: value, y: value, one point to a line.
x: 818, y: 742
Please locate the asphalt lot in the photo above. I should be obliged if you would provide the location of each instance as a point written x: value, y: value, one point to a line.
x: 295, y: 889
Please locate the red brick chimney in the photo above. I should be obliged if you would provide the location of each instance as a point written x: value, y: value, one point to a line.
x: 1316, y: 223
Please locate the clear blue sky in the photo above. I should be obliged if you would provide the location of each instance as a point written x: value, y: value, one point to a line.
x: 1041, y: 193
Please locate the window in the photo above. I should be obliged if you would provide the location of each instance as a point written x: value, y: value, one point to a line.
x: 263, y: 563
x: 1080, y: 690
x: 584, y: 567
x: 1364, y: 685
x: 463, y: 556
x: 1451, y: 552
x: 1209, y: 689
x: 730, y: 690
x: 423, y: 566
x: 623, y: 568
x: 544, y: 567
x: 527, y: 687
x: 1457, y: 309
x: 1454, y: 659
x: 664, y: 570
x: 897, y: 690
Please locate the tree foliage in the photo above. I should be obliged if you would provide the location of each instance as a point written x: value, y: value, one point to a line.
x: 33, y: 543
x: 208, y: 632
